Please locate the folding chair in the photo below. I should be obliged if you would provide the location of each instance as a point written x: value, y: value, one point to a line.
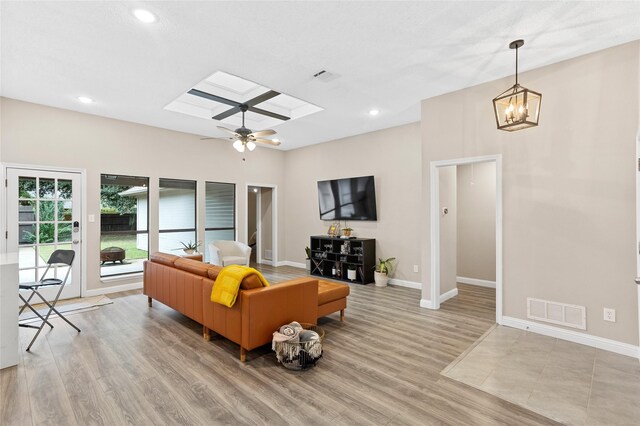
x: 57, y: 257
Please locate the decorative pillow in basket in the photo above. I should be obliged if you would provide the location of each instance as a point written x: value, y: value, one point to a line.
x: 298, y: 346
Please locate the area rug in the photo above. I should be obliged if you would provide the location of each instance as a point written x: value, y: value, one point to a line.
x: 69, y: 306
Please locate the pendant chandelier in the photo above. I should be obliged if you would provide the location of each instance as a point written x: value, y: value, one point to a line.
x: 517, y: 107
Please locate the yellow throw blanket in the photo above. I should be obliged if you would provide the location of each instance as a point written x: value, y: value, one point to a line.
x: 225, y: 288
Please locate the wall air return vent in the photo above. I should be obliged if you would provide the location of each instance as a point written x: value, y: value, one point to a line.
x: 557, y: 313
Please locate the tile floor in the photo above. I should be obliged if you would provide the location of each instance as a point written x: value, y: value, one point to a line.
x: 567, y: 382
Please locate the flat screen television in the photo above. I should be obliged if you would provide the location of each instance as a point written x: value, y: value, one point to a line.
x: 347, y: 199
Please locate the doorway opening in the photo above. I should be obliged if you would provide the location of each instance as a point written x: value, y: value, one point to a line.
x: 466, y: 229
x: 261, y: 223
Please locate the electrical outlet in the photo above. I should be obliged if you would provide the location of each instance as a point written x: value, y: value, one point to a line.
x: 609, y: 314
x: 415, y: 268
x: 92, y: 218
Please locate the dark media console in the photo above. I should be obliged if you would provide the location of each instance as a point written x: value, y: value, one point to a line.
x: 331, y: 258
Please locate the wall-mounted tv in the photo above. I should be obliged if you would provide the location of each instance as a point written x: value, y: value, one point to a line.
x: 347, y: 199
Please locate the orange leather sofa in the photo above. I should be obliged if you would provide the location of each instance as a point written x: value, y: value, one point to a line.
x: 185, y: 285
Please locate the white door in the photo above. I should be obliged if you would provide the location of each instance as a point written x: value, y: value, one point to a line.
x: 43, y: 214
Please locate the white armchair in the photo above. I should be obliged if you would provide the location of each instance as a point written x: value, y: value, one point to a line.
x: 225, y: 253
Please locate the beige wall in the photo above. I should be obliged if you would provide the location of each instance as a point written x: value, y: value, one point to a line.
x: 476, y: 196
x: 392, y: 156
x: 40, y: 135
x: 448, y: 228
x: 568, y: 185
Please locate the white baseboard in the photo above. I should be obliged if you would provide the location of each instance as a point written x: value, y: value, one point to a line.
x: 475, y: 281
x: 448, y: 295
x: 573, y: 336
x: 122, y: 278
x: 290, y: 263
x: 113, y: 289
x: 426, y: 303
x: 404, y: 283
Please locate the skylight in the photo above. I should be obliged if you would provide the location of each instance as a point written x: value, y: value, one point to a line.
x: 239, y: 90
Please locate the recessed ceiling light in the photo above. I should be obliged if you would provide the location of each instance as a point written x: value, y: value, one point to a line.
x: 374, y: 112
x: 85, y: 99
x: 144, y: 16
x: 275, y: 140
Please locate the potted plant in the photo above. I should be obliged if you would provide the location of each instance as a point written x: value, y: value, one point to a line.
x: 351, y: 272
x: 383, y: 270
x: 190, y: 248
x: 307, y: 250
x: 346, y: 232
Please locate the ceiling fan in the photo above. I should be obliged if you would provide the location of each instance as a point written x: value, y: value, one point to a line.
x: 243, y: 137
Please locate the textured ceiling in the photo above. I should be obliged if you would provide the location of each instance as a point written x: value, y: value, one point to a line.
x: 386, y: 55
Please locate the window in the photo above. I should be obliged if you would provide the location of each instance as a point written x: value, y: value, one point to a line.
x: 220, y: 213
x: 177, y: 209
x: 124, y: 218
x: 45, y: 211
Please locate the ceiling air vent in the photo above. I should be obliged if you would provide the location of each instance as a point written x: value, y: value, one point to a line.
x: 325, y: 76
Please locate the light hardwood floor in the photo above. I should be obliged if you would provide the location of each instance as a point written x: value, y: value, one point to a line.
x: 137, y: 365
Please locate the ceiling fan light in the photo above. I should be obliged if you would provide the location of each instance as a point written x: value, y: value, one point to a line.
x: 251, y: 146
x: 239, y: 146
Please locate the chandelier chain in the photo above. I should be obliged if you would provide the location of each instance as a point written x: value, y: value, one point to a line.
x: 516, y: 66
